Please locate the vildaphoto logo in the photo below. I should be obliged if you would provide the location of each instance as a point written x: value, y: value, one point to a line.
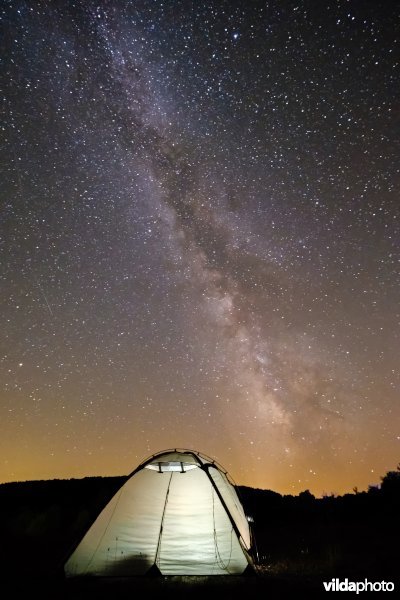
x: 336, y: 585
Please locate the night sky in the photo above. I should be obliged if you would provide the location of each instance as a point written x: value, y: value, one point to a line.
x: 199, y: 238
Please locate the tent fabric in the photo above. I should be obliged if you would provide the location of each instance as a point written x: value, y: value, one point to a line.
x: 184, y: 521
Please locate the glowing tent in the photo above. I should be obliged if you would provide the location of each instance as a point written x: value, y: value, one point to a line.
x: 177, y: 514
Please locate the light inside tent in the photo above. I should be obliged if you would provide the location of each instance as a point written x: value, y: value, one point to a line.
x: 191, y: 525
x: 164, y: 467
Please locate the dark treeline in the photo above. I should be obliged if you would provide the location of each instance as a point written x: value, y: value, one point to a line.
x: 43, y: 521
x: 352, y: 535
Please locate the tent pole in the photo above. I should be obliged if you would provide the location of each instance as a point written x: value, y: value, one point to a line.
x: 162, y: 520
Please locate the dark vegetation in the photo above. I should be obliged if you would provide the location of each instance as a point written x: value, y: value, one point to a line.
x: 301, y: 540
x: 356, y: 535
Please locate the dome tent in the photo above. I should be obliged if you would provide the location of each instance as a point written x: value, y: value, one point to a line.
x: 177, y: 514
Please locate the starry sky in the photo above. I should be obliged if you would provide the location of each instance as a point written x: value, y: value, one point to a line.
x: 199, y: 238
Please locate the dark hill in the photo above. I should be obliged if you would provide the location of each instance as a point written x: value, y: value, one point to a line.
x: 355, y: 535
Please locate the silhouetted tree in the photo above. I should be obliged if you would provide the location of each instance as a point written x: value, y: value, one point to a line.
x: 391, y: 482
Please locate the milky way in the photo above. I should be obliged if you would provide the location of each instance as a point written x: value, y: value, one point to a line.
x: 200, y: 239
